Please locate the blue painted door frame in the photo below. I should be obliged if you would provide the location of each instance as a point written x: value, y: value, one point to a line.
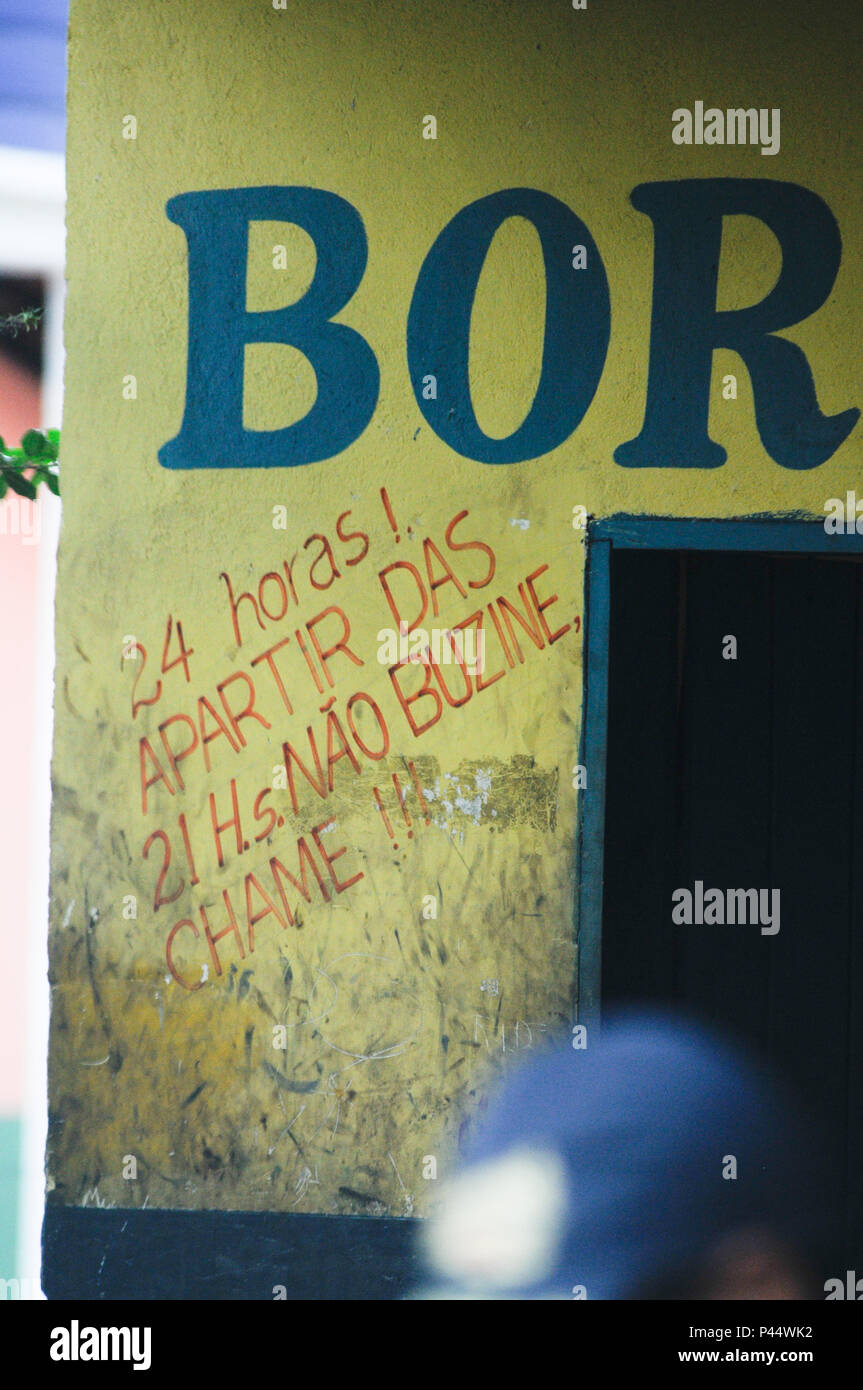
x: 770, y: 535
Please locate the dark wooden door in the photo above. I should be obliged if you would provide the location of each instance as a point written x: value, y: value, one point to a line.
x: 744, y: 773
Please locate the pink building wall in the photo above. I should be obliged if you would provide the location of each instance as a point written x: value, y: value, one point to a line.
x: 19, y: 549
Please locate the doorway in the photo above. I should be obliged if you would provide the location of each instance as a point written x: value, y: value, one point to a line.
x: 731, y: 692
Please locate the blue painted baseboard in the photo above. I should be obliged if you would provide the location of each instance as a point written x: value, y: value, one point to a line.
x: 128, y: 1253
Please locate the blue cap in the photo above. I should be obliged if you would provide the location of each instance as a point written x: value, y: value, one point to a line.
x: 651, y: 1142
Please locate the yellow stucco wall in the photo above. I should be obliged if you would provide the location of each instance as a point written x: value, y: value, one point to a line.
x: 392, y: 1017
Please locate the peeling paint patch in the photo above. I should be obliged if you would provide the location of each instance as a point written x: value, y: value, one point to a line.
x: 452, y: 795
x: 516, y: 792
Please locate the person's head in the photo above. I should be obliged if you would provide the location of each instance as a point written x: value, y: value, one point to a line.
x: 655, y: 1162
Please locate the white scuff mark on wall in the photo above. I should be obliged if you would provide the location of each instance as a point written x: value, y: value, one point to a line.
x: 91, y: 1198
x: 406, y: 1196
x: 457, y: 796
x: 306, y: 1179
x: 521, y: 522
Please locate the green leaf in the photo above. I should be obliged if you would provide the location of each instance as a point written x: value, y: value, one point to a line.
x: 20, y: 484
x: 2, y: 486
x: 33, y: 444
x: 44, y: 474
